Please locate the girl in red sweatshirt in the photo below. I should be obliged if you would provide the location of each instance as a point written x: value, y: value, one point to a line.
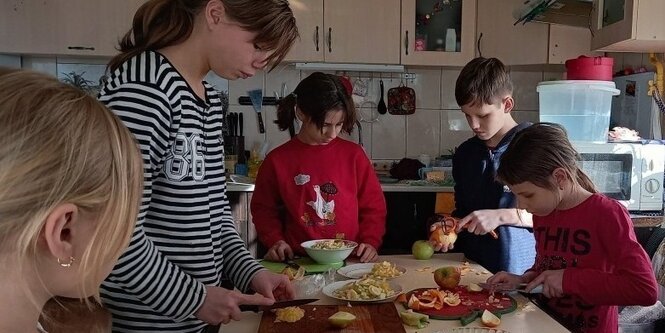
x: 588, y: 259
x: 318, y: 185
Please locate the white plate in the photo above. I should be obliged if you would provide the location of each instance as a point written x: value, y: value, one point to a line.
x: 329, y: 290
x: 357, y: 271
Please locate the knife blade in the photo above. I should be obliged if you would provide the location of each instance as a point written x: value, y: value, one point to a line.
x: 277, y: 305
x: 506, y: 288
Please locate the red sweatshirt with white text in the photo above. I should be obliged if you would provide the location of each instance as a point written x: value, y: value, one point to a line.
x: 604, y: 265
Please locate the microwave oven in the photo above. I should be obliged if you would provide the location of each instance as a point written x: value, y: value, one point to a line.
x: 631, y: 173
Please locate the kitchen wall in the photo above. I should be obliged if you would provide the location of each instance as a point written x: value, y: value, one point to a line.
x: 437, y: 126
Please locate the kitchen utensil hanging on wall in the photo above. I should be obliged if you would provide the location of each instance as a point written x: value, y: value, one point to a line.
x: 382, y: 104
x: 256, y: 96
x: 401, y: 100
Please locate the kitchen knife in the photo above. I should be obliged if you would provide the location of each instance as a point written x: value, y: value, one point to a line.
x: 277, y: 305
x: 240, y: 124
x: 505, y: 288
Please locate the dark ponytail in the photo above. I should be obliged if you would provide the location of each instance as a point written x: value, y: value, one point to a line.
x: 314, y: 96
x: 286, y: 112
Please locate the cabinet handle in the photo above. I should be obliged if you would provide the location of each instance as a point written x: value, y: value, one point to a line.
x: 329, y: 40
x: 406, y: 42
x: 88, y: 48
x: 317, y: 38
x: 480, y: 52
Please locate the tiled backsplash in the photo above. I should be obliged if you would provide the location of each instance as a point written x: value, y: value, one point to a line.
x: 437, y: 126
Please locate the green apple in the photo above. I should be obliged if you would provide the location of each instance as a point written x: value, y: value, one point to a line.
x: 341, y: 319
x: 414, y: 319
x: 422, y: 250
x: 447, y: 277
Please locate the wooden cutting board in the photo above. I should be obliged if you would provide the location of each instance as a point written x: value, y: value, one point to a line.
x: 370, y: 318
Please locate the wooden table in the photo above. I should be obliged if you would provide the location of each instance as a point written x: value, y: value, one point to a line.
x: 527, y: 317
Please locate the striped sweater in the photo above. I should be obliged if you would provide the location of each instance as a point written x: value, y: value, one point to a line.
x: 185, y: 237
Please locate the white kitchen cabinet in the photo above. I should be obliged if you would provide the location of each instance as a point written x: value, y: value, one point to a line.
x: 567, y: 42
x: 64, y: 27
x: 436, y: 33
x: 498, y: 37
x: 628, y: 25
x: 347, y: 31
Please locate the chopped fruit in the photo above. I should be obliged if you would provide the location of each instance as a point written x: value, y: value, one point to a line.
x: 414, y: 303
x: 401, y: 298
x: 472, y: 287
x: 289, y: 314
x: 294, y: 274
x: 341, y: 319
x: 411, y: 318
x: 489, y: 319
x: 452, y: 300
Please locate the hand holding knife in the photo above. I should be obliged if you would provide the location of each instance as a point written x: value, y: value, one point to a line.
x: 277, y: 305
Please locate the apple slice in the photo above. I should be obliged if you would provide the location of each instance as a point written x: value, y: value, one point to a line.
x: 474, y: 288
x: 489, y: 319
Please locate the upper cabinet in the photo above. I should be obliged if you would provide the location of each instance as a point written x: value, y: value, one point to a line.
x: 347, y: 31
x: 628, y: 25
x: 64, y: 27
x: 438, y: 33
x: 568, y: 42
x: 499, y: 37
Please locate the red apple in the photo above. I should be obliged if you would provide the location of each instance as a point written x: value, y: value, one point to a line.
x: 447, y: 277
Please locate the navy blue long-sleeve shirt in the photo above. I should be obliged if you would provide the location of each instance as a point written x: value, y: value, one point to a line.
x: 476, y: 188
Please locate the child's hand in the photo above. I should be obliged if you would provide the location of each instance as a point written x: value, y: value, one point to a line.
x: 552, y: 282
x: 366, y: 252
x: 481, y: 221
x: 505, y: 279
x: 279, y: 252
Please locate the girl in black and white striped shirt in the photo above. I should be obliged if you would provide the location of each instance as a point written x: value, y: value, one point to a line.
x: 185, y: 238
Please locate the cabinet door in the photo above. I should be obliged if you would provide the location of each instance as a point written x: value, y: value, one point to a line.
x: 93, y: 27
x: 28, y: 26
x: 512, y: 44
x: 569, y: 43
x: 628, y: 25
x: 309, y: 18
x: 364, y: 31
x: 438, y: 33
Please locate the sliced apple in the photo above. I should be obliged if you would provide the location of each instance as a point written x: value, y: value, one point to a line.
x: 341, y: 319
x: 474, y: 288
x: 489, y: 319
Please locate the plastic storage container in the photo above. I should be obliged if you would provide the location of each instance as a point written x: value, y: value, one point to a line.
x: 582, y: 107
x: 589, y: 68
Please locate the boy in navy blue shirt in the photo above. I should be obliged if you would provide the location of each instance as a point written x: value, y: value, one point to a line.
x: 484, y: 92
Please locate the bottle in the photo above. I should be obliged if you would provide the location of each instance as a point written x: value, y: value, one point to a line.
x: 451, y: 40
x: 254, y: 163
x: 439, y: 45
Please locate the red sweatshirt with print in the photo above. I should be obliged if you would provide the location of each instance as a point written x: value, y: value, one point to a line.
x: 604, y: 265
x: 306, y: 192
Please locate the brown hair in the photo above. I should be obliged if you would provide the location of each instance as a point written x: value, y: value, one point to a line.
x: 60, y: 145
x: 161, y: 23
x: 535, y: 152
x: 482, y: 80
x: 315, y: 96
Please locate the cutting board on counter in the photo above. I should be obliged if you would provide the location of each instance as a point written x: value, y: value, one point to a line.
x: 370, y: 318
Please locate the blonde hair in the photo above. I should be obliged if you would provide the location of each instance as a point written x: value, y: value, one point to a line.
x: 161, y: 23
x: 60, y: 145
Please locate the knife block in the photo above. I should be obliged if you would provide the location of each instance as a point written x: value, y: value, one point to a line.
x: 234, y: 147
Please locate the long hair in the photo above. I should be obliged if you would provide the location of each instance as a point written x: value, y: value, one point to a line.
x: 60, y: 145
x: 161, y: 23
x: 535, y: 152
x: 315, y: 96
x: 482, y: 80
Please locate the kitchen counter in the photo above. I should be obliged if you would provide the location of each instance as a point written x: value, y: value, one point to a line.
x: 527, y: 318
x: 238, y: 187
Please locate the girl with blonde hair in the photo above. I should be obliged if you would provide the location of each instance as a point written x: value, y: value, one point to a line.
x: 185, y: 242
x: 70, y: 183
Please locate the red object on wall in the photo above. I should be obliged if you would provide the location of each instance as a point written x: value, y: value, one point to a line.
x: 589, y: 68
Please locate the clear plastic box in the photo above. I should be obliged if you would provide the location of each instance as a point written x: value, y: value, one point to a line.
x: 582, y: 107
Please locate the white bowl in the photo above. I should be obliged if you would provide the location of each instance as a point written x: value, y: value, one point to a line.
x: 328, y: 256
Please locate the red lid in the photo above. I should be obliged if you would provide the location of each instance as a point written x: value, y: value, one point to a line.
x: 589, y: 68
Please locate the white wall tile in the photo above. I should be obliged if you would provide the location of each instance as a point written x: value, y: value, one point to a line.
x: 423, y: 130
x: 10, y: 60
x: 427, y: 86
x: 240, y: 87
x: 46, y: 65
x: 282, y: 74
x: 524, y: 89
x: 273, y: 135
x: 217, y: 82
x: 448, y: 79
x: 553, y: 76
x: 389, y: 137
x: 454, y: 130
x: 523, y: 116
x: 366, y: 136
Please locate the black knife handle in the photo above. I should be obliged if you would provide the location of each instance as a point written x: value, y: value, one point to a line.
x: 262, y: 128
x: 245, y: 308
